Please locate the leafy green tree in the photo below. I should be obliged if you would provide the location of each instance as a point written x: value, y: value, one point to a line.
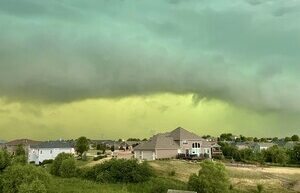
x: 21, y: 178
x: 212, y: 178
x: 247, y: 154
x: 5, y: 159
x: 68, y: 168
x: 226, y: 137
x: 295, y: 154
x: 276, y: 154
x: 20, y: 150
x: 82, y: 145
x: 56, y: 165
x: 286, y: 139
x: 295, y: 138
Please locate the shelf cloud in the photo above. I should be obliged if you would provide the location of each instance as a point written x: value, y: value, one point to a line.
x: 245, y: 53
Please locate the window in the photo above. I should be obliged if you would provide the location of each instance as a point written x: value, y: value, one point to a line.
x: 193, y: 145
x: 50, y: 151
x: 41, y: 152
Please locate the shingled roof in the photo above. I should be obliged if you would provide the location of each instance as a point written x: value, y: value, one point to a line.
x: 182, y: 134
x: 53, y: 144
x: 167, y: 140
x: 159, y: 141
x: 24, y: 142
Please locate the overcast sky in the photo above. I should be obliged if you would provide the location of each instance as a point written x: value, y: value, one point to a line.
x: 242, y: 54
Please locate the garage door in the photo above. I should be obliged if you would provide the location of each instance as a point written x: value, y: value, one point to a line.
x: 148, y: 155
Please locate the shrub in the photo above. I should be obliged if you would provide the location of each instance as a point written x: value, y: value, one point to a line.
x: 172, y: 173
x: 68, y: 168
x: 23, y: 178
x: 55, y: 167
x: 212, y: 178
x: 20, y: 159
x: 260, y: 188
x: 119, y: 171
x: 47, y: 161
x: 5, y: 159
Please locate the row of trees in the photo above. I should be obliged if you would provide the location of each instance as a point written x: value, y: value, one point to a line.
x: 241, y: 138
x: 273, y: 154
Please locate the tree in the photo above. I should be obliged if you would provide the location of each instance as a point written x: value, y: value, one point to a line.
x: 295, y: 138
x: 226, y: 137
x: 212, y: 178
x: 286, y: 139
x: 56, y: 165
x: 82, y: 145
x: 68, y: 168
x: 20, y: 150
x: 276, y: 154
x: 133, y: 139
x: 5, y: 159
x: 295, y: 154
x: 23, y: 178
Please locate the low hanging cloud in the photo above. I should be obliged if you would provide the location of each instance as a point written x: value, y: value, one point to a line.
x: 242, y: 52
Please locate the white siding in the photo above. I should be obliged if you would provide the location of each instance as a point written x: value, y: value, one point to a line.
x: 39, y: 155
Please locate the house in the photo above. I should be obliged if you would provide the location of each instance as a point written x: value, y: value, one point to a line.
x: 178, y: 142
x: 129, y: 145
x: 49, y: 150
x: 243, y: 145
x: 291, y: 144
x: 258, y: 147
x: 12, y: 146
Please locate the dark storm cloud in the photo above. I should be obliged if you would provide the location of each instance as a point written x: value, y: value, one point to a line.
x: 60, y: 51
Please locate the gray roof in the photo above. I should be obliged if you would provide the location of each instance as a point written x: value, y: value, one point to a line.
x: 159, y: 141
x: 53, y: 144
x: 182, y: 134
x: 167, y: 140
x: 265, y: 144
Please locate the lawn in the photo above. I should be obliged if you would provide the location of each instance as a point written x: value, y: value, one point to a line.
x: 76, y: 185
x: 175, y: 173
x: 274, y: 179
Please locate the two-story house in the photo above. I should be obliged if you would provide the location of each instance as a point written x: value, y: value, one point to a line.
x: 174, y: 143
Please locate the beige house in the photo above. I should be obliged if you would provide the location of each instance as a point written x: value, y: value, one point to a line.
x: 172, y: 144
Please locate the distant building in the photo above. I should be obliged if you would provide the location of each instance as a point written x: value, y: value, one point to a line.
x: 172, y: 144
x: 258, y: 147
x: 49, y: 150
x: 243, y: 145
x: 11, y: 146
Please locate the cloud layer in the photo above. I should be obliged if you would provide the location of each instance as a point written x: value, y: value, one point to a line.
x: 245, y: 52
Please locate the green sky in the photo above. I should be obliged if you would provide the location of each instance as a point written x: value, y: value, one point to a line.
x: 125, y: 68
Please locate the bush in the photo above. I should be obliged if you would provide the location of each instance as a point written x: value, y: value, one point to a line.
x: 20, y: 159
x: 68, y: 168
x: 25, y: 179
x: 172, y: 173
x: 47, y: 161
x: 260, y: 188
x: 212, y: 178
x: 55, y: 167
x: 5, y: 159
x: 127, y: 171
